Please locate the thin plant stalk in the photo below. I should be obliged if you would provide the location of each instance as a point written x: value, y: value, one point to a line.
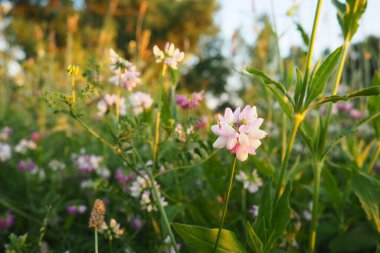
x: 374, y: 158
x: 96, y: 241
x: 317, y: 165
x: 298, y: 118
x: 118, y: 95
x: 285, y: 161
x: 338, y: 77
x: 226, y: 203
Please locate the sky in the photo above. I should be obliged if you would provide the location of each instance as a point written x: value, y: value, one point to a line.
x: 241, y: 14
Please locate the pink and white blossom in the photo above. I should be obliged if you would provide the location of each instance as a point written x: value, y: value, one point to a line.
x: 239, y: 131
x: 140, y: 102
x: 110, y: 101
x: 171, y: 56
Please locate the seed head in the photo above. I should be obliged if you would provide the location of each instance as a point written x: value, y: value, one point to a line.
x: 97, y: 214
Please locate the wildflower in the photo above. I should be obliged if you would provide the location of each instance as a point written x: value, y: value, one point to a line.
x: 136, y: 222
x: 356, y: 114
x: 254, y: 211
x: 123, y: 180
x: 5, y: 133
x: 87, y: 163
x: 250, y: 182
x: 35, y: 137
x: 110, y: 101
x: 5, y: 152
x: 140, y: 101
x: 24, y: 145
x: 168, y: 247
x: 56, y: 165
x: 192, y: 102
x: 6, y: 221
x: 97, y: 214
x: 202, y: 123
x: 239, y: 132
x: 76, y: 209
x: 112, y: 230
x: 141, y: 189
x: 171, y: 56
x: 126, y: 76
x: 27, y: 165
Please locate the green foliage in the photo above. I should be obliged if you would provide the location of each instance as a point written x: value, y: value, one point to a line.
x: 367, y: 189
x: 203, y: 239
x: 349, y: 15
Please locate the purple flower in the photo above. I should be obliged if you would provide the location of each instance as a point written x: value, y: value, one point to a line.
x: 192, y: 102
x: 7, y: 221
x: 28, y: 165
x: 136, y: 222
x: 254, y: 211
x: 73, y: 210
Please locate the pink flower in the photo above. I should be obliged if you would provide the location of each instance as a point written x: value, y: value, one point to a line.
x: 239, y: 132
x: 6, y: 221
x: 356, y: 114
x: 141, y: 102
x: 192, y: 102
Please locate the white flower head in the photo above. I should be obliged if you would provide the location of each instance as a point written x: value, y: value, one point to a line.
x: 5, y: 152
x: 171, y: 56
x: 141, y: 102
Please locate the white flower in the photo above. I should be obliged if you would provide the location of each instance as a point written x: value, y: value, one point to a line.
x: 239, y: 132
x: 252, y: 183
x: 24, y: 145
x: 56, y: 165
x: 171, y: 55
x: 5, y: 152
x: 140, y: 101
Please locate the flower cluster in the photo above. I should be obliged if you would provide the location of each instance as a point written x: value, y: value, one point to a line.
x: 125, y: 73
x: 109, y: 101
x: 56, y: 165
x: 250, y: 182
x: 124, y: 180
x: 239, y: 132
x: 112, y: 230
x: 5, y: 133
x: 5, y: 152
x: 346, y: 108
x: 141, y: 189
x: 140, y: 102
x: 27, y: 165
x: 24, y: 145
x: 76, y: 209
x: 190, y: 102
x: 171, y: 56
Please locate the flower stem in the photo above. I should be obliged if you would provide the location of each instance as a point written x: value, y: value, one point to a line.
x: 310, y: 54
x: 96, y: 241
x: 225, y: 204
x: 296, y: 122
x: 73, y: 89
x: 162, y: 210
x: 118, y: 95
x: 313, y: 229
x: 374, y: 158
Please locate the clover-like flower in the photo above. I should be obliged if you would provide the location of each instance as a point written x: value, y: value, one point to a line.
x: 125, y: 73
x: 171, y: 56
x: 239, y: 132
x: 140, y: 101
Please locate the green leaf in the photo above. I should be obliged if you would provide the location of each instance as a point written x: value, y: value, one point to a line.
x: 374, y: 106
x: 202, y: 239
x: 264, y: 218
x: 171, y: 213
x: 304, y: 35
x: 283, y: 101
x: 266, y: 79
x: 333, y: 192
x: 367, y: 189
x: 366, y: 92
x: 349, y: 15
x: 281, y: 217
x: 318, y: 82
x: 253, y: 240
x: 298, y: 86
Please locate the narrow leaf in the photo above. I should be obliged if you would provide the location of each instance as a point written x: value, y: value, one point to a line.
x: 253, y: 240
x: 266, y: 79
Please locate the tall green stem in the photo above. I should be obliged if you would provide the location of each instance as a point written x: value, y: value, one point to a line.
x: 226, y: 204
x: 374, y: 158
x: 313, y: 229
x: 96, y: 241
x: 162, y: 210
x: 296, y: 122
x: 310, y: 54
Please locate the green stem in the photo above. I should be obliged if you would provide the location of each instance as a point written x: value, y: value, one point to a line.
x: 313, y: 229
x: 96, y: 241
x: 296, y: 122
x: 162, y: 210
x: 309, y: 55
x: 225, y: 204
